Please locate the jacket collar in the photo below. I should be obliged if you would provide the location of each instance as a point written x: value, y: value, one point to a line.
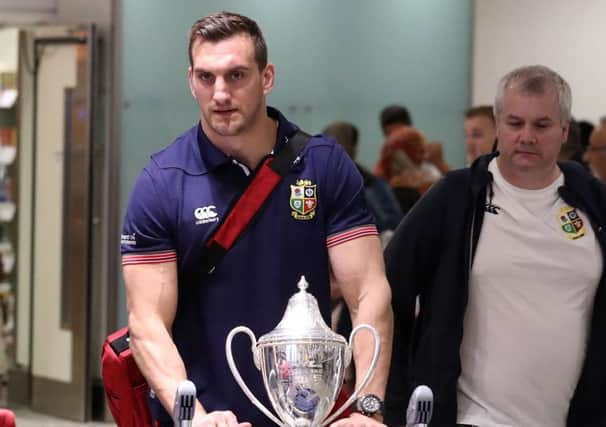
x: 579, y: 189
x: 480, y: 176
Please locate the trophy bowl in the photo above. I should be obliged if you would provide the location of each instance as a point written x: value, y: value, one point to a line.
x: 302, y: 380
x: 302, y: 363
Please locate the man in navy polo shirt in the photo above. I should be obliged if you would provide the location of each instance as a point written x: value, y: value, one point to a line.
x: 178, y: 316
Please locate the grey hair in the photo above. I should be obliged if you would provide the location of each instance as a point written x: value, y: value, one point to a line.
x: 536, y: 80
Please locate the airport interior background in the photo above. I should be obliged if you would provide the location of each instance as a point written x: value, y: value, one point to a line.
x: 88, y: 89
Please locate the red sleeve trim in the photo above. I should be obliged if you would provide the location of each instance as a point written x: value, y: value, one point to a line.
x: 354, y: 233
x: 149, y: 258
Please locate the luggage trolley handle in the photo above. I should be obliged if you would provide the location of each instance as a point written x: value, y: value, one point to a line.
x: 185, y: 404
x: 420, y: 407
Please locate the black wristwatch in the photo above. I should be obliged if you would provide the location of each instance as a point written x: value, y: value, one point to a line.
x: 368, y: 405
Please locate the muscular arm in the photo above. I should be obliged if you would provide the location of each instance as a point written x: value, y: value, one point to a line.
x: 358, y: 273
x: 152, y: 303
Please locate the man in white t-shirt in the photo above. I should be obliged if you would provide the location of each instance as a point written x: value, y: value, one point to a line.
x: 507, y: 259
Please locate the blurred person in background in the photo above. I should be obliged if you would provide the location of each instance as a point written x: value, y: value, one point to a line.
x: 402, y: 163
x: 585, y: 129
x: 394, y: 116
x: 595, y: 154
x: 403, y: 159
x: 379, y: 196
x: 572, y: 149
x: 480, y: 132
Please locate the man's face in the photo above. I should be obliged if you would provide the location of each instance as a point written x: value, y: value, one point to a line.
x: 530, y: 133
x: 480, y: 134
x: 226, y: 82
x: 596, y: 153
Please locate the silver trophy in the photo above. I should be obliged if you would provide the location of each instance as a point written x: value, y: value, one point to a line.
x: 302, y: 363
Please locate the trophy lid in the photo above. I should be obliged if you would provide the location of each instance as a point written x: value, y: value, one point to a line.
x: 302, y: 321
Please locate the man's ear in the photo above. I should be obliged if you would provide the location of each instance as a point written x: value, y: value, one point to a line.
x: 495, y: 145
x: 497, y: 127
x: 268, y: 76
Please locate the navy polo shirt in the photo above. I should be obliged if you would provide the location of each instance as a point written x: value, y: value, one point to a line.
x: 180, y: 198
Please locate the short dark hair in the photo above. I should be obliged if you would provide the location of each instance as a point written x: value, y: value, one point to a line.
x: 585, y: 129
x: 572, y: 147
x: 480, y: 110
x: 395, y: 114
x: 223, y: 25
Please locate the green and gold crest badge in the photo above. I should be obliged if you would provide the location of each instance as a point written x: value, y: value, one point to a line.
x: 303, y: 200
x: 571, y: 223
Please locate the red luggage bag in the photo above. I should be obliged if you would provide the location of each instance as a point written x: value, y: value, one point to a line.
x: 7, y: 418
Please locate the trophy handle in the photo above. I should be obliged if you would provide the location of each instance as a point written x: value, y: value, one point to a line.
x: 368, y: 375
x: 236, y: 373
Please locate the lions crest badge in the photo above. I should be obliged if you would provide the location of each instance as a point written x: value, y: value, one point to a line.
x: 571, y: 223
x: 303, y: 200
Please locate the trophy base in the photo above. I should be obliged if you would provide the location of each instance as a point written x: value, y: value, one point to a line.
x: 302, y: 422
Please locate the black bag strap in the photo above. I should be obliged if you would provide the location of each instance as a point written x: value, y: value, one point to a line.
x: 267, y: 177
x: 121, y: 343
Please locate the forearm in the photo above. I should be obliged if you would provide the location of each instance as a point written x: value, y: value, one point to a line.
x: 158, y: 359
x: 358, y: 271
x: 374, y: 310
x: 152, y: 304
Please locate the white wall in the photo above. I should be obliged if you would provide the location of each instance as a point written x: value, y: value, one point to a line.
x: 9, y: 38
x: 569, y: 37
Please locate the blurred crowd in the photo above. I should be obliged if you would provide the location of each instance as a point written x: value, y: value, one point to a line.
x: 409, y: 164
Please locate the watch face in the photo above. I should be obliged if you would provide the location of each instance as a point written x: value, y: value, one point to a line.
x: 370, y: 404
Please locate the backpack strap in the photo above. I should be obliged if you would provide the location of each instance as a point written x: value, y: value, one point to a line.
x: 267, y: 177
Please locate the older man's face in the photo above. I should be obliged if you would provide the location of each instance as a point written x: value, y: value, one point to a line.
x: 530, y: 134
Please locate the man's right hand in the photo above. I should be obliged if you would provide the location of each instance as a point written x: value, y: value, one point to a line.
x: 217, y: 419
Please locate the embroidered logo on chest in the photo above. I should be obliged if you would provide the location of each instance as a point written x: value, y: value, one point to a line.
x: 206, y: 214
x: 491, y: 208
x: 571, y: 223
x: 303, y: 200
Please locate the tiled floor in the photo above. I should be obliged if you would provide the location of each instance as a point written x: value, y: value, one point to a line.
x: 27, y: 418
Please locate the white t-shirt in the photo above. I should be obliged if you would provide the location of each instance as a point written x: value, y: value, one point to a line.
x: 531, y: 292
